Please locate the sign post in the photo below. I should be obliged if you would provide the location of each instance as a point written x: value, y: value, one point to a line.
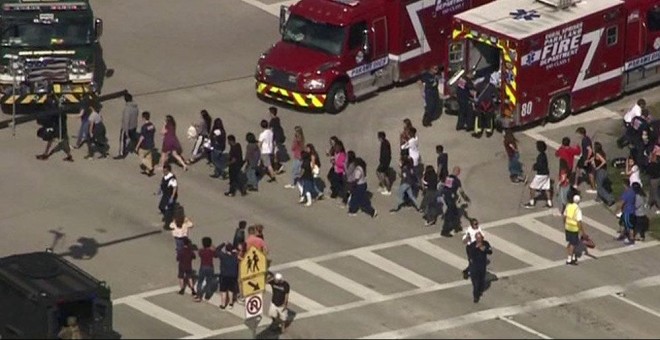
x: 252, y: 273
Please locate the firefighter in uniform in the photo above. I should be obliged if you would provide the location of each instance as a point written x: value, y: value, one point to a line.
x: 169, y: 192
x: 429, y: 84
x: 464, y: 96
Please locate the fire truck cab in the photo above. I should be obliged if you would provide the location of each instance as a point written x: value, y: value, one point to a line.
x: 335, y: 51
x: 547, y: 58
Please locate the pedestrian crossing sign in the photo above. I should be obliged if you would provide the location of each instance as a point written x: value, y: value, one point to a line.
x: 253, y: 264
x: 254, y: 285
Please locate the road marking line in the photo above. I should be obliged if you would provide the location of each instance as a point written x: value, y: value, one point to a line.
x: 639, y: 306
x: 467, y: 319
x: 524, y: 328
x: 439, y: 287
x: 543, y: 230
x: 379, y: 246
x: 550, y: 233
x: 516, y: 251
x: 439, y: 253
x: 599, y: 226
x: 394, y: 269
x: 339, y: 280
x: 264, y: 7
x: 300, y: 300
x: 167, y: 317
x: 238, y: 310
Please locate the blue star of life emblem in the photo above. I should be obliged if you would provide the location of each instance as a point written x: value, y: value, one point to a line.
x: 522, y: 14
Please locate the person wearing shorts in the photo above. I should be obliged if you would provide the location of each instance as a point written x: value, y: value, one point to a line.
x: 228, y: 256
x: 586, y: 161
x: 573, y: 228
x: 541, y: 180
x: 278, y: 310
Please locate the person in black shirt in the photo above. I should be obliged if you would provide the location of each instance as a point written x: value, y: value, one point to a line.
x: 653, y: 170
x: 279, y: 304
x: 429, y: 84
x: 479, y: 252
x: 451, y: 193
x: 235, y: 164
x: 50, y: 130
x: 145, y: 145
x: 408, y: 182
x: 442, y: 163
x: 541, y: 181
x: 384, y: 161
x: 586, y: 161
x: 430, y: 198
x: 278, y: 140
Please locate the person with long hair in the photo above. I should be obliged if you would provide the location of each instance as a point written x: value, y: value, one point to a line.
x: 339, y: 164
x: 180, y: 227
x: 297, y: 146
x: 185, y: 256
x: 315, y: 162
x: 218, y: 146
x: 641, y: 220
x: 171, y: 146
x: 511, y: 148
x: 252, y: 157
x: 404, y: 136
x: 203, y: 131
x: 600, y: 166
x: 430, y: 198
x: 306, y: 180
x: 408, y: 182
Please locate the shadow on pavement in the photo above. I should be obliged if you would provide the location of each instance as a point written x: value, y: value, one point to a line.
x: 273, y: 330
x: 88, y: 247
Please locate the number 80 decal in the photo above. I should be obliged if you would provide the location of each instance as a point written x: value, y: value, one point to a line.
x: 526, y: 109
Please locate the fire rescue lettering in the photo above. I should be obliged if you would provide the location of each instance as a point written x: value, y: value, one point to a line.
x: 560, y: 46
x: 448, y: 6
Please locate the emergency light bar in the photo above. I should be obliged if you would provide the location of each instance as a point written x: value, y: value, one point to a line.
x: 45, y: 7
x: 351, y: 3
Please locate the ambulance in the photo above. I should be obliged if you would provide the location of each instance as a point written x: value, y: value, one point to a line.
x: 550, y: 58
x: 335, y: 51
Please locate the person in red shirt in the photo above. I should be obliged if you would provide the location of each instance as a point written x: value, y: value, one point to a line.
x: 567, y: 153
x: 206, y: 273
x: 185, y: 256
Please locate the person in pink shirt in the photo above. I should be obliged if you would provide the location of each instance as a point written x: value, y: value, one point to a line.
x: 253, y: 239
x: 339, y: 166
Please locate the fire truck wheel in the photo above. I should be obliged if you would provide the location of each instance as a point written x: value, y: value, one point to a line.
x: 559, y: 109
x: 337, y: 99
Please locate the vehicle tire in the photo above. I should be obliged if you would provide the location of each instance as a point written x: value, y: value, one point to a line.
x: 337, y: 98
x: 559, y: 109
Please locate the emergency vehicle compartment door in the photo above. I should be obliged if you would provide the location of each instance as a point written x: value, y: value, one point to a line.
x: 634, y: 36
x: 652, y: 36
x: 379, y: 38
x: 483, y: 61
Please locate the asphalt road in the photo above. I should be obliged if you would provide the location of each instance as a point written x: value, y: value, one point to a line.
x: 353, y: 277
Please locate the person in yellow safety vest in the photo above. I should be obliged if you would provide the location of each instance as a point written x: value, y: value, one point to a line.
x: 574, y: 228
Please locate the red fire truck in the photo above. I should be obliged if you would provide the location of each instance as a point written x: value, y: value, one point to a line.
x: 335, y: 51
x: 553, y: 57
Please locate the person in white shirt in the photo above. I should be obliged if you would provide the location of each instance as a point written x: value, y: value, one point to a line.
x: 635, y: 111
x: 413, y: 146
x: 469, y: 238
x: 632, y: 171
x: 266, y: 147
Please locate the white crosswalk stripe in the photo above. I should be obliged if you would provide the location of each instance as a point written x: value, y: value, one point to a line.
x: 395, y: 269
x: 339, y: 280
x: 599, y: 226
x: 367, y: 295
x: 519, y: 253
x: 438, y: 253
x: 166, y: 316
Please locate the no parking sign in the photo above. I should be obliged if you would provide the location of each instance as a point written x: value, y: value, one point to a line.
x: 254, y: 305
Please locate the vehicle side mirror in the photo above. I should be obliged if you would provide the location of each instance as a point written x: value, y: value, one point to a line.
x: 365, y: 42
x: 98, y: 28
x: 284, y: 16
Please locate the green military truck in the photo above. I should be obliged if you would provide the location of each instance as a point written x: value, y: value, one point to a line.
x: 39, y: 291
x: 49, y: 50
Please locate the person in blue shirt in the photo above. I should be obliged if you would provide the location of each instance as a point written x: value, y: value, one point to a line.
x: 627, y: 214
